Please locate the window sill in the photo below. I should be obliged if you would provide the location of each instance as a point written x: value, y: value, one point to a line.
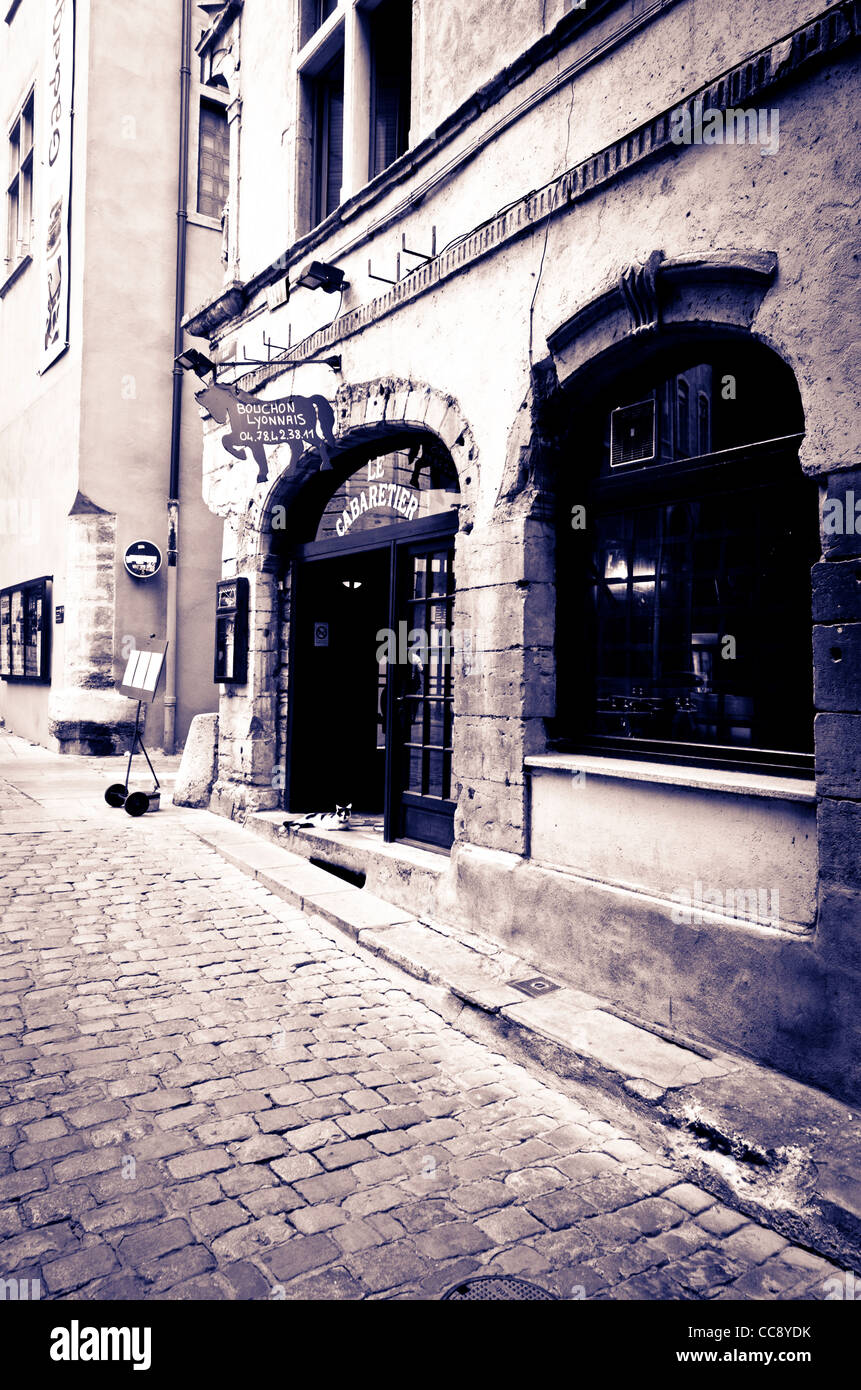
x: 200, y: 219
x: 702, y: 778
x: 15, y: 273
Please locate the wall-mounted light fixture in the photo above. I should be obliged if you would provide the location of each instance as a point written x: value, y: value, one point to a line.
x: 193, y: 361
x: 320, y: 275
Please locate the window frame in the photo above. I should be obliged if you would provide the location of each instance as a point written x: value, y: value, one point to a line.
x: 20, y: 169
x: 210, y: 97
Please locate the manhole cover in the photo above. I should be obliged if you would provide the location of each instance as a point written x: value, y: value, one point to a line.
x: 535, y: 987
x: 499, y: 1287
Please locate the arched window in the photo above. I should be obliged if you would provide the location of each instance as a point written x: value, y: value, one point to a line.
x: 689, y: 532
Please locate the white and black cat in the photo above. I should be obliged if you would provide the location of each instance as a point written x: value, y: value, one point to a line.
x: 339, y: 819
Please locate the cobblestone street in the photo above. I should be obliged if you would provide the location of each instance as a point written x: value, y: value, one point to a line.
x: 203, y: 1094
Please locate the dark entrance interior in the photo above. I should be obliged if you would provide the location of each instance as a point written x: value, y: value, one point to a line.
x: 372, y: 651
x: 338, y: 733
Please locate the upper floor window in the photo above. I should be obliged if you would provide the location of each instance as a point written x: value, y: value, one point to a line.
x: 19, y: 192
x: 355, y: 93
x: 328, y: 139
x: 312, y: 16
x: 213, y: 159
x: 391, y: 55
x: 684, y: 574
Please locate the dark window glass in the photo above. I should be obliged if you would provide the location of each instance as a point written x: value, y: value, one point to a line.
x: 696, y: 572
x: 213, y: 160
x: 704, y: 431
x: 683, y: 419
x: 391, y: 54
x: 328, y: 139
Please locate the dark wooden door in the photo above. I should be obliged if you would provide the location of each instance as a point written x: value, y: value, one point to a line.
x: 421, y: 682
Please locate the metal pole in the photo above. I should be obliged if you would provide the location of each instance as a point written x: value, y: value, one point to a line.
x: 134, y: 744
x: 176, y: 414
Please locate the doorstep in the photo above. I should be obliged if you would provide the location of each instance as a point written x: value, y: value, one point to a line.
x: 782, y: 1152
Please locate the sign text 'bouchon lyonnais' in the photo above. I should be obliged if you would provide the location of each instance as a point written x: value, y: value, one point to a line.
x: 298, y: 421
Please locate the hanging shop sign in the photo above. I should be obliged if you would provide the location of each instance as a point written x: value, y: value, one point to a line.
x: 55, y: 129
x: 142, y: 559
x: 300, y: 422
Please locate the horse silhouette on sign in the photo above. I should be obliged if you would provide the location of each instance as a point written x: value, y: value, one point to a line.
x: 297, y: 421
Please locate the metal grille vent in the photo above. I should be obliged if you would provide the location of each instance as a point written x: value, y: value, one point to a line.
x: 498, y: 1288
x: 632, y: 434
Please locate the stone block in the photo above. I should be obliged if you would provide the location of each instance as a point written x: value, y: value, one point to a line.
x: 837, y: 667
x: 838, y: 929
x: 837, y: 591
x: 198, y: 766
x: 838, y: 755
x: 515, y: 682
x: 840, y: 515
x: 491, y: 814
x: 839, y: 825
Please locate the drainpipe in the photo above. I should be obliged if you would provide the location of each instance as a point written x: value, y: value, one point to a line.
x: 176, y: 410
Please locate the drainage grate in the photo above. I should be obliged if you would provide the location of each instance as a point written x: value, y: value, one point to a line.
x: 498, y: 1288
x: 535, y: 987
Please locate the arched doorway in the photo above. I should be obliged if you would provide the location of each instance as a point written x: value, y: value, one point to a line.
x: 369, y: 555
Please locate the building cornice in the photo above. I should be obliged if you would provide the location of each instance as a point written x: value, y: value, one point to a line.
x: 757, y: 76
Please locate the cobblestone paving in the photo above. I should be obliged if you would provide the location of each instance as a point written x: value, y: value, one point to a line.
x: 205, y: 1095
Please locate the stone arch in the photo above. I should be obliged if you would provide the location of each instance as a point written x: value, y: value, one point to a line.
x: 370, y: 411
x: 650, y: 305
x: 364, y: 413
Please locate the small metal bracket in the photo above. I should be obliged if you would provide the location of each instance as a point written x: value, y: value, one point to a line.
x: 385, y: 279
x: 424, y: 255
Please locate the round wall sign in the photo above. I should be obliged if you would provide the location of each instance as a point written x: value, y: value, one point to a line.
x: 142, y: 559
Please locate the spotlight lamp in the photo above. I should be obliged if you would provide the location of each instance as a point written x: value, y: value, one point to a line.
x: 193, y: 361
x: 320, y: 275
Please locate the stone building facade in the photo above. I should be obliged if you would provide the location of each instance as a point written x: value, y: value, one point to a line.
x: 91, y: 100
x: 613, y: 369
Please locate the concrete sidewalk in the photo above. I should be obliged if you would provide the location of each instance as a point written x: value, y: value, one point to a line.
x: 783, y: 1153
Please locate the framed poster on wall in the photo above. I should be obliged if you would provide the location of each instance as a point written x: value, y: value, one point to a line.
x: 25, y: 625
x: 5, y: 635
x: 17, y: 632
